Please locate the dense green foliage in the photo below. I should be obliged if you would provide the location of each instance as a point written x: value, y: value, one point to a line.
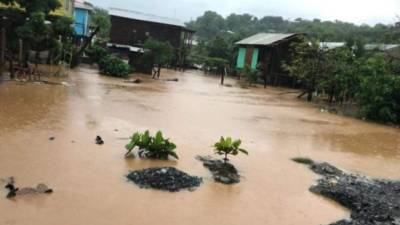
x: 212, y: 24
x: 379, y: 91
x: 109, y: 64
x: 158, y: 53
x: 228, y: 146
x: 156, y: 147
x: 100, y: 18
x: 114, y: 66
x: 30, y: 6
x: 345, y: 75
x: 38, y: 29
x: 251, y: 75
x: 96, y: 53
x: 217, y: 35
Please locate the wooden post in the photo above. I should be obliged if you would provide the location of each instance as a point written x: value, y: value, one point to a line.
x: 3, y: 49
x: 223, y: 76
x: 20, y: 52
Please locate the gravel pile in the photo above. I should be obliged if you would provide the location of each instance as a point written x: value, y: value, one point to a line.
x: 222, y: 172
x: 371, y: 201
x: 165, y: 178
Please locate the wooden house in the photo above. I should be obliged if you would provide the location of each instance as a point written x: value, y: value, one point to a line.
x: 130, y: 29
x: 266, y: 52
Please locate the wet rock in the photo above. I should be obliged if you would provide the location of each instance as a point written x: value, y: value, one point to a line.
x: 99, y: 141
x: 166, y: 178
x: 371, y: 201
x: 136, y: 81
x: 13, y: 191
x: 222, y: 172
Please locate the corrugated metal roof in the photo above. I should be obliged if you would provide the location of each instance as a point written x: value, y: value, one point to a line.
x: 331, y: 45
x: 381, y: 47
x: 264, y: 39
x: 83, y: 5
x: 130, y: 48
x: 130, y: 14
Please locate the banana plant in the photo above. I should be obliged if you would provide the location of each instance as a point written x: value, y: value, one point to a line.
x: 140, y: 140
x: 228, y: 146
x: 156, y: 147
x: 161, y: 148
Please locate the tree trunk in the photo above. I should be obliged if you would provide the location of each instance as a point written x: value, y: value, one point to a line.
x: 222, y: 78
x: 3, y: 50
x: 309, y: 95
x: 11, y: 67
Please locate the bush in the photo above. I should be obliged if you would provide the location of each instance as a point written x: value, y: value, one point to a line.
x: 379, y: 98
x: 111, y: 65
x: 152, y: 147
x: 251, y: 75
x: 96, y: 53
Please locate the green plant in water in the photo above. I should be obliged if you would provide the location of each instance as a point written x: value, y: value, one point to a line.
x: 228, y: 146
x: 156, y: 147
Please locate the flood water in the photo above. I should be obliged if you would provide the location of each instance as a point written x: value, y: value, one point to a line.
x: 88, y: 180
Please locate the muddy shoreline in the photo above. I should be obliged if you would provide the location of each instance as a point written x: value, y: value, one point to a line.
x: 371, y: 201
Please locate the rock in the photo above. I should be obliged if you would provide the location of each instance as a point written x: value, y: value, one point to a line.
x: 52, y: 138
x: 173, y: 80
x: 166, y: 178
x: 136, y: 81
x: 42, y: 188
x: 14, y: 191
x: 222, y: 172
x: 99, y: 141
x: 27, y: 191
x: 371, y: 201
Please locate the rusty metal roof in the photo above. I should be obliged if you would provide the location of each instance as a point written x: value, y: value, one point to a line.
x: 265, y: 39
x: 83, y: 5
x: 130, y: 14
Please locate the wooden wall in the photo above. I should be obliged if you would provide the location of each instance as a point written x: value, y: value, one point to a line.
x: 135, y: 33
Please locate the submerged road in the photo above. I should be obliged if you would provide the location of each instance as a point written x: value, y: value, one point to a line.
x: 88, y: 180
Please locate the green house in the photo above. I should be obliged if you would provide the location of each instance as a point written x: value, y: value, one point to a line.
x: 266, y: 52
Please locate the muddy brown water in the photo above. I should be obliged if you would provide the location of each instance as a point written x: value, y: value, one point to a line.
x: 89, y: 182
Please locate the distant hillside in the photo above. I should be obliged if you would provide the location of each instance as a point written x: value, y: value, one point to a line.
x: 211, y: 24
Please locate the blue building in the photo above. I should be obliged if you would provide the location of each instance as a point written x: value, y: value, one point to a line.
x: 82, y: 13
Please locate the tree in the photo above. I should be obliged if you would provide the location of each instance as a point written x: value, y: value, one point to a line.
x: 100, y: 18
x: 158, y: 53
x: 35, y: 32
x: 38, y: 29
x: 306, y: 65
x: 208, y: 25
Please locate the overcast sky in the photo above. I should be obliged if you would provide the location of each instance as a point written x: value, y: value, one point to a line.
x: 356, y: 11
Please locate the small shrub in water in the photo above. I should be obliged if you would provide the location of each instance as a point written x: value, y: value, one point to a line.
x: 228, y: 146
x: 156, y: 147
